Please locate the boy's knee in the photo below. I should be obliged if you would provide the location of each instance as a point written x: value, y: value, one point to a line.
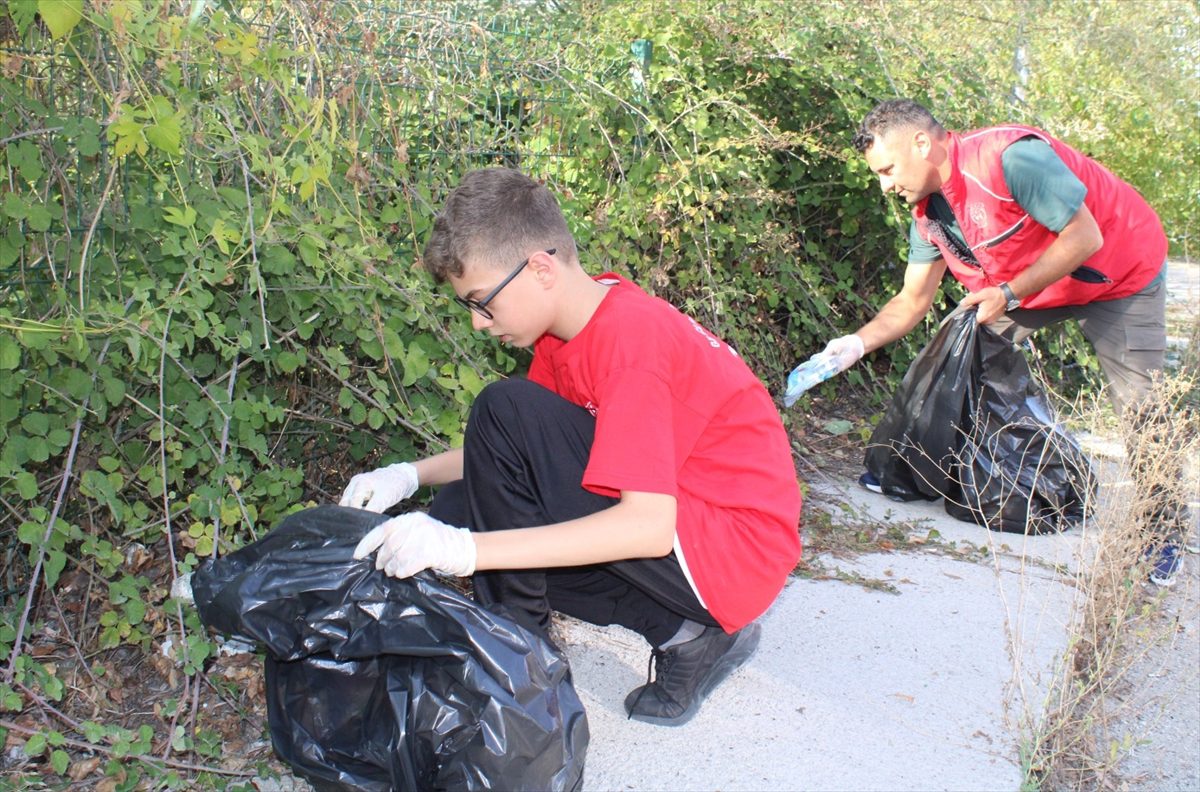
x: 503, y: 399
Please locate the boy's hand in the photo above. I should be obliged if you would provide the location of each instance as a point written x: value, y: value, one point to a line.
x: 415, y: 541
x: 381, y: 489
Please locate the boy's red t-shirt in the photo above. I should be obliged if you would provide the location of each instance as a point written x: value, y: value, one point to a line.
x: 678, y: 412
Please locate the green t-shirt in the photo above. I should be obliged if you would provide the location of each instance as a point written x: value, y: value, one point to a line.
x: 1037, y: 178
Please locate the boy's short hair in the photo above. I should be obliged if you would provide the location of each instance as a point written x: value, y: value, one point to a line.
x: 495, y: 217
x: 894, y: 114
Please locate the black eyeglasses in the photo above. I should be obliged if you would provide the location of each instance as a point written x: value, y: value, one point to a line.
x: 480, y: 306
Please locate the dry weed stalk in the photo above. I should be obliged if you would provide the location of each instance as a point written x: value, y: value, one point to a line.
x: 1072, y: 743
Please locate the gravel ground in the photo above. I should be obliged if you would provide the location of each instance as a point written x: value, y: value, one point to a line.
x: 1161, y: 711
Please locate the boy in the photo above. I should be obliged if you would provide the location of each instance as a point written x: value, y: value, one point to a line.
x: 639, y: 476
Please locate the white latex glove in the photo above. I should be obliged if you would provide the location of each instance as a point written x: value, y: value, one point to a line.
x: 847, y: 350
x: 381, y: 489
x: 414, y: 541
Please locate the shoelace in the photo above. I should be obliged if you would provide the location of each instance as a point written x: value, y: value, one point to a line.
x: 658, y: 663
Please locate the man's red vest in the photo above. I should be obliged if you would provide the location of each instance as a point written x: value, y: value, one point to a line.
x: 1005, y: 239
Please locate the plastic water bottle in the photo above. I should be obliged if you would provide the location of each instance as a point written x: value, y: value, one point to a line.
x: 813, y: 371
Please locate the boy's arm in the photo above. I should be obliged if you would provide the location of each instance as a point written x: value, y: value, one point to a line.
x: 640, y: 525
x: 440, y: 468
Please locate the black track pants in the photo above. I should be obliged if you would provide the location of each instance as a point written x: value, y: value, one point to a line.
x: 524, y: 454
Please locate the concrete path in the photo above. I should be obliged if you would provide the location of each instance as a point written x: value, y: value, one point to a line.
x: 854, y: 688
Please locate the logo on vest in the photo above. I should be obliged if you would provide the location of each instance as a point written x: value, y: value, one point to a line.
x: 977, y: 213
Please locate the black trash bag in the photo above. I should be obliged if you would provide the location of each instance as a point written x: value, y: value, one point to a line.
x: 970, y: 424
x: 375, y: 683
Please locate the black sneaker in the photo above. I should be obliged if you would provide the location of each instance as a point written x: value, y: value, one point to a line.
x: 685, y: 674
x: 868, y: 481
x: 1167, y: 558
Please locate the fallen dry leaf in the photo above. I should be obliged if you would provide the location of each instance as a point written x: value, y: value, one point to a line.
x: 83, y: 768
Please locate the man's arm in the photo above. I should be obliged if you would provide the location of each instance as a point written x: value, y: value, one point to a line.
x: 640, y: 525
x: 1078, y: 240
x: 909, y: 306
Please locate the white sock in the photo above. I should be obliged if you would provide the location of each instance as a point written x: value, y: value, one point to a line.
x: 686, y: 632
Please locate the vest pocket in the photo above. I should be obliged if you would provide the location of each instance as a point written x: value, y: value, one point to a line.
x: 1089, y: 275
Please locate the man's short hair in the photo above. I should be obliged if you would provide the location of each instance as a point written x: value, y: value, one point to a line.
x: 495, y: 217
x: 894, y: 114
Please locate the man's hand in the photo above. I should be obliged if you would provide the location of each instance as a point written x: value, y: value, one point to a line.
x: 846, y: 350
x: 990, y: 303
x: 381, y: 489
x: 415, y: 541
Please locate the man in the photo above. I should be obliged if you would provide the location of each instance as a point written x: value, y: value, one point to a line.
x: 1038, y: 233
x: 640, y: 476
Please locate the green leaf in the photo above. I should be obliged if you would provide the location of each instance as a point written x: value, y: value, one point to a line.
x: 27, y: 486
x: 88, y: 144
x: 36, y: 423
x: 38, y: 449
x: 35, y: 745
x: 58, y: 439
x: 185, y: 216
x: 27, y: 158
x: 54, y: 689
x: 9, y: 251
x: 15, y: 206
x: 39, y: 218
x: 114, y: 391
x: 135, y: 611
x: 61, y: 16
x: 60, y: 761
x: 77, y: 383
x: 416, y: 364
x: 126, y: 134
x: 287, y: 361
x: 31, y: 533
x: 23, y: 13
x: 165, y: 135
x: 10, y: 351
x: 310, y: 250
x: 392, y: 343
x: 56, y: 561
x: 838, y: 427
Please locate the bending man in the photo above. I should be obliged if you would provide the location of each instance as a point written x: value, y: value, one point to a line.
x: 1038, y: 233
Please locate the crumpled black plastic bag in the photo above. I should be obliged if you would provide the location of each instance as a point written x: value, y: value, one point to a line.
x: 970, y: 424
x: 375, y: 683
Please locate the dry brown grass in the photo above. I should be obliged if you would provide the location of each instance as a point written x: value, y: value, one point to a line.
x: 1078, y: 742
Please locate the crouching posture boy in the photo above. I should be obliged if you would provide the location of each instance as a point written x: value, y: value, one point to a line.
x: 639, y: 476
